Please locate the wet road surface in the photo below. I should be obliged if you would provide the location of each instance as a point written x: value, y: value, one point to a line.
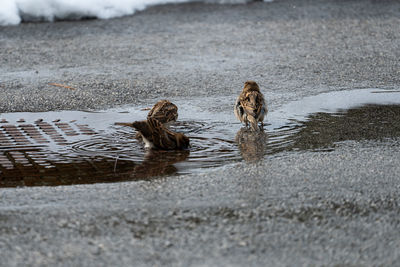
x: 320, y: 187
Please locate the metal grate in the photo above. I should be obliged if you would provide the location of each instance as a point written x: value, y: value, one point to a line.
x: 27, y: 157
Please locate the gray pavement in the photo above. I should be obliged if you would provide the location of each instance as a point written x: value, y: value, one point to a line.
x: 291, y: 208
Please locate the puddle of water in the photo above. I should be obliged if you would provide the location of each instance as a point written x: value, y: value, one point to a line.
x: 74, y: 147
x: 318, y: 122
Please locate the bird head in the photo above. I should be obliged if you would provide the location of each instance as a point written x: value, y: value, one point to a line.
x: 251, y: 86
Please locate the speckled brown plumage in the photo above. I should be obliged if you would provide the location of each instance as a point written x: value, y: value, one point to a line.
x: 164, y: 111
x: 250, y: 106
x: 156, y: 135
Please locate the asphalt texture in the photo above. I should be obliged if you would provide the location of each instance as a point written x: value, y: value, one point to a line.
x: 338, y: 207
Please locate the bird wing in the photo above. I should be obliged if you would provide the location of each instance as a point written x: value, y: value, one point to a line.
x: 238, y: 110
x: 144, y: 129
x: 260, y: 105
x: 161, y: 136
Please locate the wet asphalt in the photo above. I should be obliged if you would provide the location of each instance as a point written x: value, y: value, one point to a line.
x: 336, y: 207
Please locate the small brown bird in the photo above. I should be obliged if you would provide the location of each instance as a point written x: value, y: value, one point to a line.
x: 250, y: 106
x: 164, y: 111
x: 156, y: 135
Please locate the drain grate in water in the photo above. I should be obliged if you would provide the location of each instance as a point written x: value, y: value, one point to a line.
x: 31, y: 155
x: 53, y: 152
x: 16, y: 135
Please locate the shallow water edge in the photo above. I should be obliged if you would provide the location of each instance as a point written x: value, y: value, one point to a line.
x: 75, y: 147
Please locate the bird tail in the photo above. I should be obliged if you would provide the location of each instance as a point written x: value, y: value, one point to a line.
x: 253, y: 122
x: 250, y: 111
x: 124, y: 124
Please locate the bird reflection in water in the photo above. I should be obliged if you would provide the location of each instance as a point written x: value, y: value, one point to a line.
x: 158, y: 163
x: 252, y: 144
